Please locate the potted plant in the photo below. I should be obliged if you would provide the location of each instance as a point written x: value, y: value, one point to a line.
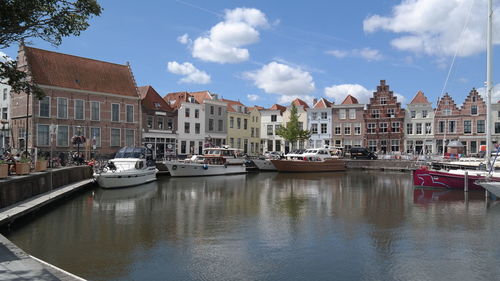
x: 4, y: 169
x: 41, y: 164
x: 23, y: 166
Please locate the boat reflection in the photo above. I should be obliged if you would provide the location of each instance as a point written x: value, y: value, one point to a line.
x: 424, y: 196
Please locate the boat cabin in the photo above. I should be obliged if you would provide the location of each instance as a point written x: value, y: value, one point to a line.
x: 222, y: 155
x: 317, y: 154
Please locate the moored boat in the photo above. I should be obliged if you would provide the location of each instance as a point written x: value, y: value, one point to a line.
x: 128, y: 168
x: 492, y: 186
x: 215, y: 161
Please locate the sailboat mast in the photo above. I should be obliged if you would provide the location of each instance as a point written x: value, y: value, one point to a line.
x: 489, y: 74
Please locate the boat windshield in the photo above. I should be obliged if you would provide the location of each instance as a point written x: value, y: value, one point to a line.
x: 131, y: 152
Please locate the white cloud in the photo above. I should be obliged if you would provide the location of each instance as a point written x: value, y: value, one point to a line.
x: 495, y: 97
x: 252, y: 97
x: 4, y: 57
x: 277, y: 78
x: 224, y: 41
x: 184, y: 39
x: 433, y: 27
x: 191, y: 73
x: 339, y: 92
x: 368, y: 54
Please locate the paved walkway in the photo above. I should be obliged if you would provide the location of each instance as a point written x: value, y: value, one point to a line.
x: 15, y: 264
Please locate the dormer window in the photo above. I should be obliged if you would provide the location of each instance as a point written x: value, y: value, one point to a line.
x: 156, y: 104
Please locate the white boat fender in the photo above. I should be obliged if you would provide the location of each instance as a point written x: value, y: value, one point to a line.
x: 205, y: 167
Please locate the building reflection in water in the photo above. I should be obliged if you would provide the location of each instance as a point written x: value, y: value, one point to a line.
x: 268, y: 226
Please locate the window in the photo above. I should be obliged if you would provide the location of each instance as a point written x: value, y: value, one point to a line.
x: 44, y: 110
x: 187, y: 112
x: 269, y: 130
x: 413, y: 114
x: 473, y: 110
x: 156, y: 104
x: 277, y: 127
x: 352, y: 113
x: 372, y: 145
x: 375, y: 113
x: 314, y: 128
x: 160, y: 123
x: 314, y: 115
x: 210, y: 124
x: 219, y: 110
x: 170, y: 124
x: 4, y: 93
x: 43, y: 135
x: 62, y: 135
x: 441, y: 126
x: 115, y: 112
x: 480, y: 126
x: 395, y: 127
x: 186, y: 127
x: 383, y: 127
x: 391, y: 112
x: 324, y: 115
x: 245, y: 124
x: 447, y: 112
x: 183, y: 147
x: 371, y: 128
x: 467, y: 127
x: 79, y: 131
x: 409, y: 129
x: 452, y: 126
x: 424, y: 113
x: 394, y: 145
x: 347, y: 129
x: 357, y: 129
x: 418, y: 129
x: 95, y: 108
x: 274, y: 118
x: 497, y: 128
x: 95, y: 134
x: 129, y: 137
x: 231, y: 122
x: 383, y: 100
x: 221, y: 125
x: 130, y: 113
x: 238, y: 123
x: 5, y: 113
x: 212, y: 110
x: 428, y: 128
x: 115, y: 137
x: 62, y: 108
x: 342, y: 113
x: 150, y: 122
x: 197, y: 128
x: 196, y: 113
x: 323, y: 128
x: 252, y: 134
x: 337, y: 129
x: 238, y: 141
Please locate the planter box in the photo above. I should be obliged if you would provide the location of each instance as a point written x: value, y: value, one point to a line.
x: 41, y: 165
x: 4, y: 171
x: 22, y: 168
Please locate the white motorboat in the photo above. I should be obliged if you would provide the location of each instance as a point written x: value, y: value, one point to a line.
x: 128, y: 168
x: 215, y: 161
x: 492, y: 186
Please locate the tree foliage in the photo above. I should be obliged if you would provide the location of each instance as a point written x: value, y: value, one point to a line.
x: 49, y: 20
x: 293, y: 132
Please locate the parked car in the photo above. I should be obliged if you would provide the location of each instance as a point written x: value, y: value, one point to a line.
x: 362, y: 153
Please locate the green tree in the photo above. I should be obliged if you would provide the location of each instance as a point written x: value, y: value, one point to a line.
x: 293, y: 132
x: 49, y: 20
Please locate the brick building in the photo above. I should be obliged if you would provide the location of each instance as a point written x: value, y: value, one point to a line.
x: 384, y: 119
x: 447, y: 117
x: 472, y: 124
x: 159, y: 124
x: 84, y: 97
x: 348, y: 124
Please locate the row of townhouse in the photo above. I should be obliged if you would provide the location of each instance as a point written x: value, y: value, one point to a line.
x: 101, y: 101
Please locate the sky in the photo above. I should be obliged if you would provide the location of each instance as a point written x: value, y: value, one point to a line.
x: 265, y: 52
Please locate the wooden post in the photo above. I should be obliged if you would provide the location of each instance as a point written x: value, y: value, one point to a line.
x: 466, y: 182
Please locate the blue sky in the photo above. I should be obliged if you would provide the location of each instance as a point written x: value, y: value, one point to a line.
x: 263, y: 52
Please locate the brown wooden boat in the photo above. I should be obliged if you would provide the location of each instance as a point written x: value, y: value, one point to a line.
x: 328, y: 165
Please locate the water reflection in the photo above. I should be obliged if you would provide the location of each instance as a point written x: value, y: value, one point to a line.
x: 269, y: 226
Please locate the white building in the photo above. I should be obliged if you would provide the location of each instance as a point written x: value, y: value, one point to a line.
x: 271, y: 119
x: 319, y: 119
x: 4, y: 117
x: 419, y: 121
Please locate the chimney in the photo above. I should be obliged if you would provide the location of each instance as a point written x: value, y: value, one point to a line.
x: 314, y: 101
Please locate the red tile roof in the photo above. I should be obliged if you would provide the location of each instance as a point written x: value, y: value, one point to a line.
x: 151, y: 100
x: 231, y: 104
x: 299, y: 102
x: 201, y: 96
x: 350, y: 100
x: 419, y: 99
x: 67, y: 71
x: 278, y: 107
x: 323, y: 103
x: 174, y: 100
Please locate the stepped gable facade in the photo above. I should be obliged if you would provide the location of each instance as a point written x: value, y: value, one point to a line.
x: 384, y: 119
x: 447, y: 117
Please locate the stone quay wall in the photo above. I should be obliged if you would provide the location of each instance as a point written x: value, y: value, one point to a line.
x: 393, y: 165
x: 16, y: 189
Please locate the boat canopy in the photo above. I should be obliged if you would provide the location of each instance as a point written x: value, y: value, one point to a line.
x: 131, y: 152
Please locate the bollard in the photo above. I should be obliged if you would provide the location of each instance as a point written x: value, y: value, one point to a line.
x: 466, y: 182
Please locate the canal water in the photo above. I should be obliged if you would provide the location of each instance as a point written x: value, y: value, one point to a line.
x: 357, y: 225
